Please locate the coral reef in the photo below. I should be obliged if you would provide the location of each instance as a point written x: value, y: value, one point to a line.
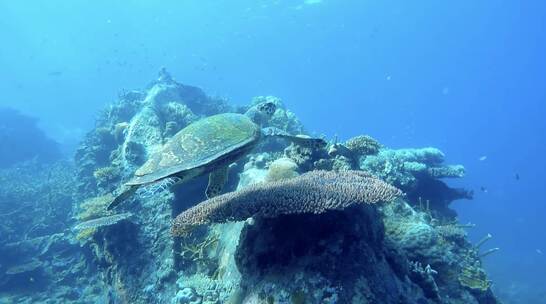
x: 417, y: 173
x: 363, y: 145
x: 40, y: 259
x: 22, y: 140
x: 40, y: 195
x: 287, y: 235
x: 442, y: 248
x: 282, y: 168
x: 282, y: 118
x: 129, y: 130
x: 313, y: 192
x: 336, y: 257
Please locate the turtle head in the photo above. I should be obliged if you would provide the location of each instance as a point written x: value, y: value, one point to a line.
x: 262, y: 112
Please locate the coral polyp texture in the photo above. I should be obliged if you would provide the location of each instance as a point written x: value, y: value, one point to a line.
x: 313, y: 192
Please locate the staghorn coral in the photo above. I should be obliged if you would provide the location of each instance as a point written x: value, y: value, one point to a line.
x: 314, y: 192
x: 363, y: 145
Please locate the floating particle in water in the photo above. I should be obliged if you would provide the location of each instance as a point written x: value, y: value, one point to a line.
x: 483, y: 189
x: 445, y: 91
x: 539, y: 251
x: 482, y: 158
x: 517, y: 176
x: 389, y: 77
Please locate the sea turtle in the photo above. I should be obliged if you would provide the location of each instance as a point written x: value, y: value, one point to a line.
x: 209, y: 146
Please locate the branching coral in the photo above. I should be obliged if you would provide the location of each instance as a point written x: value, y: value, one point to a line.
x: 313, y: 192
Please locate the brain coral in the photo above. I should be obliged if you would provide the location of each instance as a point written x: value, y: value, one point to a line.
x: 313, y: 192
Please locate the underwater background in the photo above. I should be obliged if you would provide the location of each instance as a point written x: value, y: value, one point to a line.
x: 466, y: 77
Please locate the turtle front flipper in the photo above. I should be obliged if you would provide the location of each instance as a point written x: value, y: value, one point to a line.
x: 217, y: 180
x: 125, y: 193
x: 302, y: 140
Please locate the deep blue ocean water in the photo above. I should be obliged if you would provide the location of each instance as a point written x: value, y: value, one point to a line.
x: 468, y: 77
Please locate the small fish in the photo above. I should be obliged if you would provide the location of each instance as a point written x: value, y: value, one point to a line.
x: 539, y: 251
x: 55, y: 73
x: 483, y: 189
x: 482, y: 158
x: 517, y: 176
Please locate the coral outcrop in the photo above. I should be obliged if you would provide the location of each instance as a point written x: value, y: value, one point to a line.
x: 418, y: 172
x: 287, y: 235
x: 129, y: 130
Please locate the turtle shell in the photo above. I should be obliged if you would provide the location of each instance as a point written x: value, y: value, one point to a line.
x: 198, y: 145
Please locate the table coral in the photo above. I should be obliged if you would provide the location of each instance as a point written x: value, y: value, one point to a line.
x: 313, y: 192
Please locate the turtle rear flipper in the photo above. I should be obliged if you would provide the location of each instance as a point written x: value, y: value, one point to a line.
x: 217, y: 180
x: 302, y: 140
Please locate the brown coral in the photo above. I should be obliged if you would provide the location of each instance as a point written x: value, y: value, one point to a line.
x: 313, y: 192
x: 363, y: 145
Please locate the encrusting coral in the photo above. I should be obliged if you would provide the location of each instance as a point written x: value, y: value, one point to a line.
x: 313, y: 192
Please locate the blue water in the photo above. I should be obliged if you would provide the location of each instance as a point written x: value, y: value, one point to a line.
x: 468, y: 77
